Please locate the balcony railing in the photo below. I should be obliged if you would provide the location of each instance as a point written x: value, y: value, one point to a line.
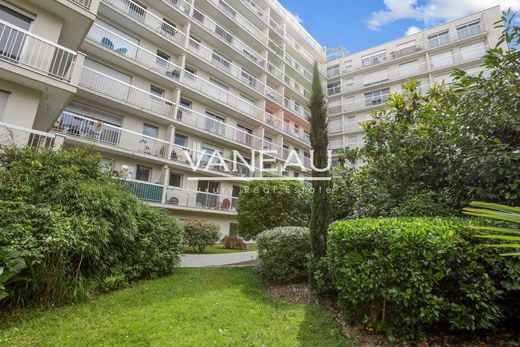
x: 142, y: 99
x: 182, y: 6
x: 201, y: 200
x: 150, y: 20
x: 15, y: 136
x: 74, y: 125
x: 145, y: 191
x: 295, y: 132
x: 83, y: 3
x: 23, y: 48
x: 223, y: 35
x: 461, y: 34
x: 130, y: 50
x: 230, y: 12
x: 235, y: 71
x: 223, y: 96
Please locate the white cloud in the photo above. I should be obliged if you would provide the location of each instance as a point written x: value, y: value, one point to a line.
x: 412, y: 30
x: 432, y: 11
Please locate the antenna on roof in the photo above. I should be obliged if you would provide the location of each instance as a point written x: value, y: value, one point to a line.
x: 336, y: 53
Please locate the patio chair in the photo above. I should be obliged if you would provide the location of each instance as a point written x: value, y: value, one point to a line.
x: 105, y: 41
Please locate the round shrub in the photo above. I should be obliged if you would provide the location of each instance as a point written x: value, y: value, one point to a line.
x: 282, y: 252
x: 199, y: 235
x: 403, y: 276
x: 233, y: 242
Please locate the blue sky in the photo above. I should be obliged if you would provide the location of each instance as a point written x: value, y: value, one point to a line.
x: 361, y: 24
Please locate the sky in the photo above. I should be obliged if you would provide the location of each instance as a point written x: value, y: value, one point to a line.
x: 361, y: 24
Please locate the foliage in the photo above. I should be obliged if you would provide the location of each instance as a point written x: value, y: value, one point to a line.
x: 502, y: 213
x: 283, y: 252
x: 11, y: 263
x: 199, y: 235
x: 78, y: 229
x: 461, y: 142
x: 427, y: 204
x: 265, y: 205
x: 406, y: 275
x: 233, y: 242
x: 319, y: 138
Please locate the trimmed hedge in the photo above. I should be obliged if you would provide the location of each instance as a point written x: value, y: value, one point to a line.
x: 403, y: 276
x: 283, y: 254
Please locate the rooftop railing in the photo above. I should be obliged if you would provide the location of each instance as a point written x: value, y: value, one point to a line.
x: 23, y: 48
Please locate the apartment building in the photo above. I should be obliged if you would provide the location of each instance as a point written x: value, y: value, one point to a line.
x: 159, y: 85
x: 360, y: 83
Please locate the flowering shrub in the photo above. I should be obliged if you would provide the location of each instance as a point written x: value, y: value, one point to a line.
x: 233, y: 242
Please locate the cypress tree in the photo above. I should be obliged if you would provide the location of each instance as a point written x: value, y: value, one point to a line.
x: 320, y: 213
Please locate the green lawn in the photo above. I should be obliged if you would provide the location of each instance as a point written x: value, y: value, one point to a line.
x: 219, y: 250
x: 194, y: 307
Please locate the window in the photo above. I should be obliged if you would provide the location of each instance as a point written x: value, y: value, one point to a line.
x: 233, y: 229
x: 150, y: 130
x: 474, y: 51
x: 181, y: 140
x: 334, y: 88
x: 184, y: 109
x: 228, y: 9
x: 375, y: 77
x: 268, y: 143
x: 468, y: 30
x: 191, y: 73
x: 335, y: 126
x: 175, y: 180
x: 194, y: 43
x: 163, y: 59
x: 214, y: 123
x: 439, y: 39
x: 198, y: 15
x: 208, y: 196
x: 244, y: 135
x: 333, y: 71
x: 377, y: 97
x: 220, y: 61
x: 248, y: 78
x: 143, y: 173
x: 442, y: 59
x: 11, y: 42
x: 296, y: 174
x: 3, y: 102
x: 168, y: 27
x: 157, y: 94
x: 223, y: 33
x: 348, y: 64
x: 410, y: 68
x: 374, y: 59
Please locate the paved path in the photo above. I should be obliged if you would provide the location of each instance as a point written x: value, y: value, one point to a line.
x: 206, y: 260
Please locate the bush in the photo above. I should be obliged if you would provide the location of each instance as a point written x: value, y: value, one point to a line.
x: 11, y: 263
x: 265, y: 205
x: 77, y: 229
x: 283, y: 254
x: 233, y: 242
x: 199, y: 235
x: 403, y: 276
x: 428, y: 204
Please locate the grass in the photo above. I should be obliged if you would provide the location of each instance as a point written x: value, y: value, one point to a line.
x: 219, y: 250
x: 193, y: 307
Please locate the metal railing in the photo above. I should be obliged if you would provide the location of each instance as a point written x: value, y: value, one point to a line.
x: 16, y: 136
x: 229, y: 68
x: 181, y: 5
x: 242, y: 22
x: 83, y: 3
x: 145, y: 191
x: 298, y: 133
x: 461, y: 34
x: 228, y: 38
x: 152, y: 22
x: 130, y: 50
x: 200, y: 200
x: 23, y: 48
x: 142, y: 99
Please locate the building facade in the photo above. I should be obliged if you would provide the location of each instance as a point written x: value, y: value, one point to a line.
x: 360, y: 83
x: 157, y: 86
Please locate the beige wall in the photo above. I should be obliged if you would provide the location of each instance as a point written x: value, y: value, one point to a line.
x: 21, y: 105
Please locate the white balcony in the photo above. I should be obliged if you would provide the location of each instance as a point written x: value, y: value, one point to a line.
x: 16, y: 136
x: 222, y: 64
x: 139, y: 98
x: 461, y: 34
x: 220, y: 33
x: 297, y: 133
x: 149, y: 20
x: 198, y: 200
x: 83, y: 3
x: 182, y: 6
x: 240, y: 21
x: 109, y: 40
x: 23, y: 48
